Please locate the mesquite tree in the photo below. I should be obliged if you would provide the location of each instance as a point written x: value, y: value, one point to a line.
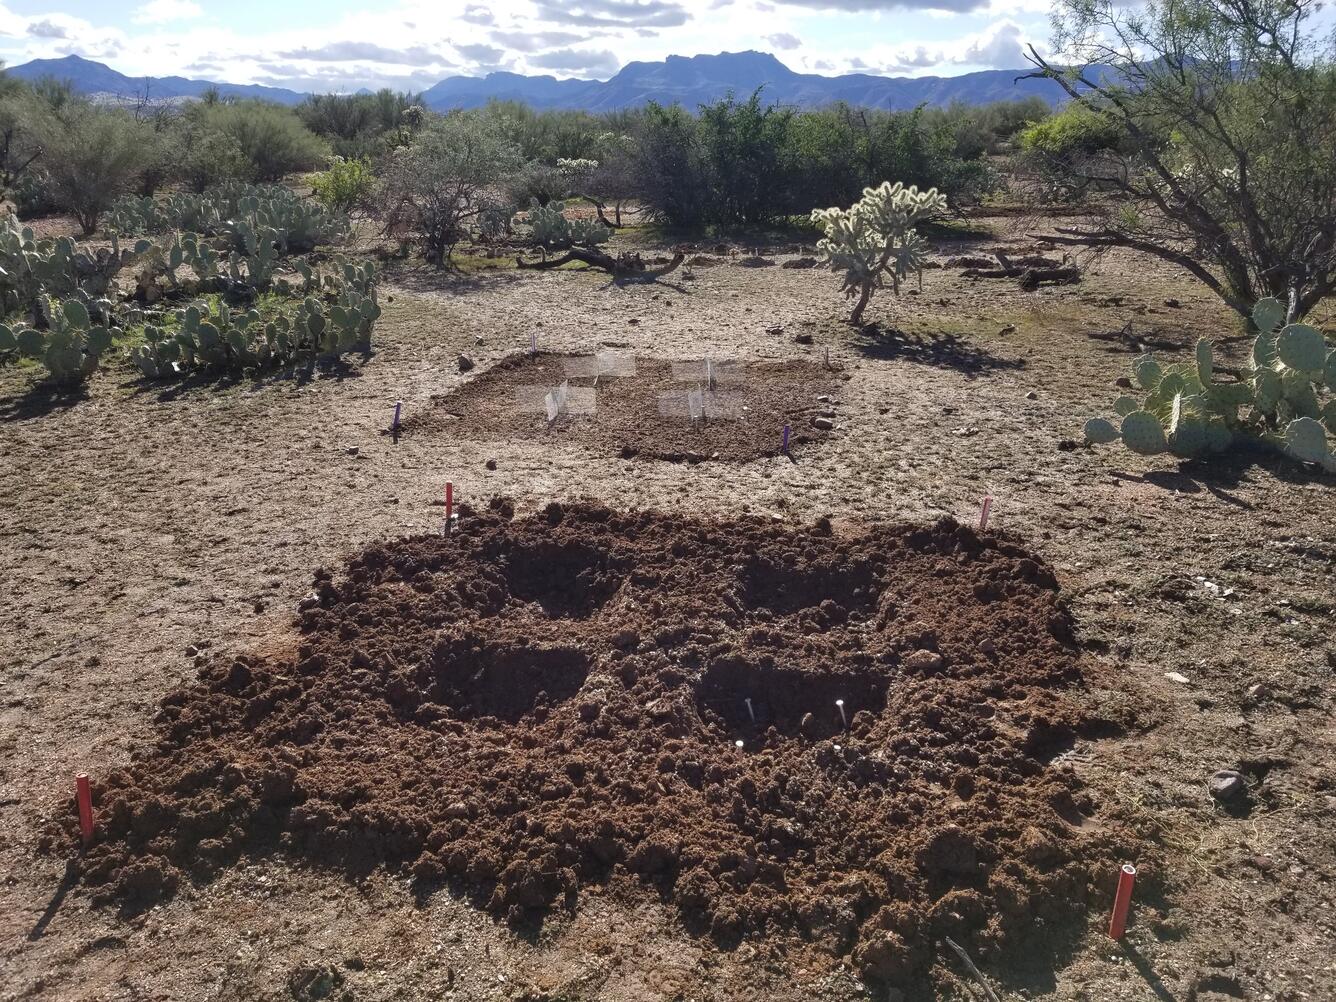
x: 875, y: 238
x: 1227, y: 162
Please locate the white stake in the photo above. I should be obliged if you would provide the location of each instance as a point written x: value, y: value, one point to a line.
x: 750, y: 712
x: 839, y: 705
x: 533, y: 343
x: 738, y: 744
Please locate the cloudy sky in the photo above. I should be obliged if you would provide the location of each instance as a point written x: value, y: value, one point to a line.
x: 334, y: 45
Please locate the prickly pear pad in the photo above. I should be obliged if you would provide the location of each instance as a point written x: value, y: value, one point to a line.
x: 533, y: 710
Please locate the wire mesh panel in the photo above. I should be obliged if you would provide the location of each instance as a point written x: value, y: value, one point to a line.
x: 709, y: 372
x: 600, y: 365
x: 556, y: 401
x: 701, y: 404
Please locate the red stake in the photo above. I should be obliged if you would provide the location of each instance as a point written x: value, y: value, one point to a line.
x: 1122, y: 900
x: 449, y: 500
x: 85, y: 797
x: 983, y: 516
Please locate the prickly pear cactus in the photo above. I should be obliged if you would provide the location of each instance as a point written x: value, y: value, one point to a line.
x: 875, y: 240
x: 77, y: 336
x: 230, y: 209
x: 334, y: 316
x: 551, y: 228
x: 1284, y: 400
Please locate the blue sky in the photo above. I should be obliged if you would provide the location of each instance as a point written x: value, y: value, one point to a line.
x: 332, y: 45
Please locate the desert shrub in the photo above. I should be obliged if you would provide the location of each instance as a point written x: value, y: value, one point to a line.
x: 545, y: 136
x: 360, y: 126
x: 1283, y: 401
x: 25, y: 118
x: 611, y: 181
x: 345, y: 184
x: 272, y: 139
x: 983, y: 130
x: 207, y: 157
x: 672, y: 170
x: 875, y: 240
x: 740, y: 163
x: 91, y: 156
x: 1073, y: 131
x: 745, y: 147
x: 537, y: 182
x: 1227, y: 165
x: 435, y: 189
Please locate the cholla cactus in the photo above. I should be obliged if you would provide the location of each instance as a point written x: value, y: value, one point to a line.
x: 1279, y: 403
x: 875, y: 239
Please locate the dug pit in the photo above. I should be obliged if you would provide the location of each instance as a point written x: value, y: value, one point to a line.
x: 645, y: 704
x: 643, y: 407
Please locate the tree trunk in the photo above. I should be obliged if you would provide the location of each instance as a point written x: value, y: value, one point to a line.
x: 857, y: 316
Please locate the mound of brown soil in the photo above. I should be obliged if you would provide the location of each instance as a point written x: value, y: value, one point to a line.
x: 532, y: 707
x: 644, y: 413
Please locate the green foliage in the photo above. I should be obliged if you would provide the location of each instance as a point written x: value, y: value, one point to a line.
x: 90, y: 156
x: 345, y: 184
x: 1224, y: 115
x: 1277, y: 404
x: 363, y: 126
x: 272, y: 139
x: 672, y: 172
x: 207, y: 158
x: 875, y: 239
x: 741, y: 163
x: 434, y: 190
x: 545, y: 136
x: 537, y: 182
x: 1073, y: 131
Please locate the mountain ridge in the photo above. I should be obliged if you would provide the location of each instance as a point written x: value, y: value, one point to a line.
x: 688, y: 80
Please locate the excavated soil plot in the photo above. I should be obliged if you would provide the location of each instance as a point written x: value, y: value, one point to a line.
x: 640, y: 406
x: 528, y: 710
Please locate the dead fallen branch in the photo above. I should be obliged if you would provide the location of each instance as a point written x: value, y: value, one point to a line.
x: 623, y: 266
x: 1030, y: 278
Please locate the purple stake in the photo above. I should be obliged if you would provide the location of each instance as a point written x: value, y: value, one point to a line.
x: 394, y: 428
x: 786, y: 440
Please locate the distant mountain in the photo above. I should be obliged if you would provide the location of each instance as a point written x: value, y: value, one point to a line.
x: 693, y: 80
x: 100, y: 80
x: 688, y: 80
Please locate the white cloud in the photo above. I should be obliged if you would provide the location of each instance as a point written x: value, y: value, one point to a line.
x: 164, y: 11
x: 1000, y: 46
x: 427, y: 40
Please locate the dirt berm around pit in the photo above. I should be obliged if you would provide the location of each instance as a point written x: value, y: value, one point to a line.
x: 528, y: 709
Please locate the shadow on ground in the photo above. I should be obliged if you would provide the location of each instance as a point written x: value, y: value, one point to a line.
x: 947, y: 350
